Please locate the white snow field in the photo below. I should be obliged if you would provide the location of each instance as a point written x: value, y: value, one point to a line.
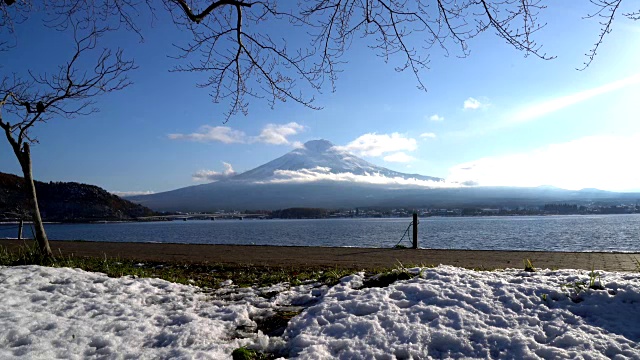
x: 444, y: 312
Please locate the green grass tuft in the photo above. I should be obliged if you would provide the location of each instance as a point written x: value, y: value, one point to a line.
x: 26, y: 254
x: 244, y: 353
x: 202, y: 275
x: 595, y: 280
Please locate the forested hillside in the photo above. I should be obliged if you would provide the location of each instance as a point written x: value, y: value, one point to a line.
x: 66, y: 201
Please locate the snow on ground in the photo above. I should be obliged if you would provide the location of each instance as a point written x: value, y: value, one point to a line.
x: 49, y: 313
x: 450, y: 312
x: 445, y: 312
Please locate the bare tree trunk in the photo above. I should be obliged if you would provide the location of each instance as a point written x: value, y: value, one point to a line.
x: 30, y: 188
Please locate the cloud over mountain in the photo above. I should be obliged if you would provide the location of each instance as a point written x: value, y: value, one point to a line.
x: 277, y: 134
x: 211, y: 175
x: 375, y: 145
x: 320, y: 173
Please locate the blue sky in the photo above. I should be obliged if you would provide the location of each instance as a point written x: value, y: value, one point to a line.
x: 495, y: 117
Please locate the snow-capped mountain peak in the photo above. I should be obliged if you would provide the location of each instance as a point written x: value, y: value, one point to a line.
x: 327, y: 158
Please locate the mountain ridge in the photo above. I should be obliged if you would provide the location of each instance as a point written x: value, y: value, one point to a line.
x: 320, y: 175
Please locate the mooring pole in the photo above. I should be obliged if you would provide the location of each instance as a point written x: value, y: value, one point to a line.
x: 415, y: 230
x: 20, y: 229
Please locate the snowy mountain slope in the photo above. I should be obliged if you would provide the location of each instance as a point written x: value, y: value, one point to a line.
x: 323, y: 154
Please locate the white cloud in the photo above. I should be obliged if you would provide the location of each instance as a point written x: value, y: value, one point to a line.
x: 472, y: 104
x: 131, y: 193
x: 602, y: 162
x: 428, y: 135
x: 400, y: 157
x: 373, y: 144
x: 208, y: 133
x: 277, y: 134
x: 325, y: 174
x: 540, y: 109
x: 436, y: 117
x: 210, y: 175
x: 274, y: 134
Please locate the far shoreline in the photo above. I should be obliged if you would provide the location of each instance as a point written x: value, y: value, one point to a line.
x: 195, y: 217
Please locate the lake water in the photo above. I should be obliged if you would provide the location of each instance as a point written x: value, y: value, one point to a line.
x: 550, y: 233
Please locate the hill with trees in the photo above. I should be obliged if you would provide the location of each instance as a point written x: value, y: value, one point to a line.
x: 65, y: 201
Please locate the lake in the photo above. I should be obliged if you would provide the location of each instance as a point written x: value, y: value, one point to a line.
x: 548, y: 233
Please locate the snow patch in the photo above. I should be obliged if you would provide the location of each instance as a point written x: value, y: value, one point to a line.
x: 445, y: 312
x: 449, y: 312
x: 49, y: 313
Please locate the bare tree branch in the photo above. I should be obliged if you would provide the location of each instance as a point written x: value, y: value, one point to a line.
x: 11, y: 14
x: 104, y: 13
x: 606, y: 12
x: 197, y: 18
x: 238, y: 44
x: 243, y: 61
x: 70, y: 91
x: 633, y: 15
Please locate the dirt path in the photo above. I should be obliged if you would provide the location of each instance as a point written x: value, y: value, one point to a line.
x: 365, y: 258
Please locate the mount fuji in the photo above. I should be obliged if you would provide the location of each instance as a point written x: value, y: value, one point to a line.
x: 321, y: 158
x: 320, y: 174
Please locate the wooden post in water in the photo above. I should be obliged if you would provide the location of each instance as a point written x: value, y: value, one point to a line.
x: 415, y: 230
x: 20, y: 229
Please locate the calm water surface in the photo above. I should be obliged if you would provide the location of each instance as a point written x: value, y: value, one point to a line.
x: 551, y: 233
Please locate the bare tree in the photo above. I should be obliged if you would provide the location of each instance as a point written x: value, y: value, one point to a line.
x: 66, y: 93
